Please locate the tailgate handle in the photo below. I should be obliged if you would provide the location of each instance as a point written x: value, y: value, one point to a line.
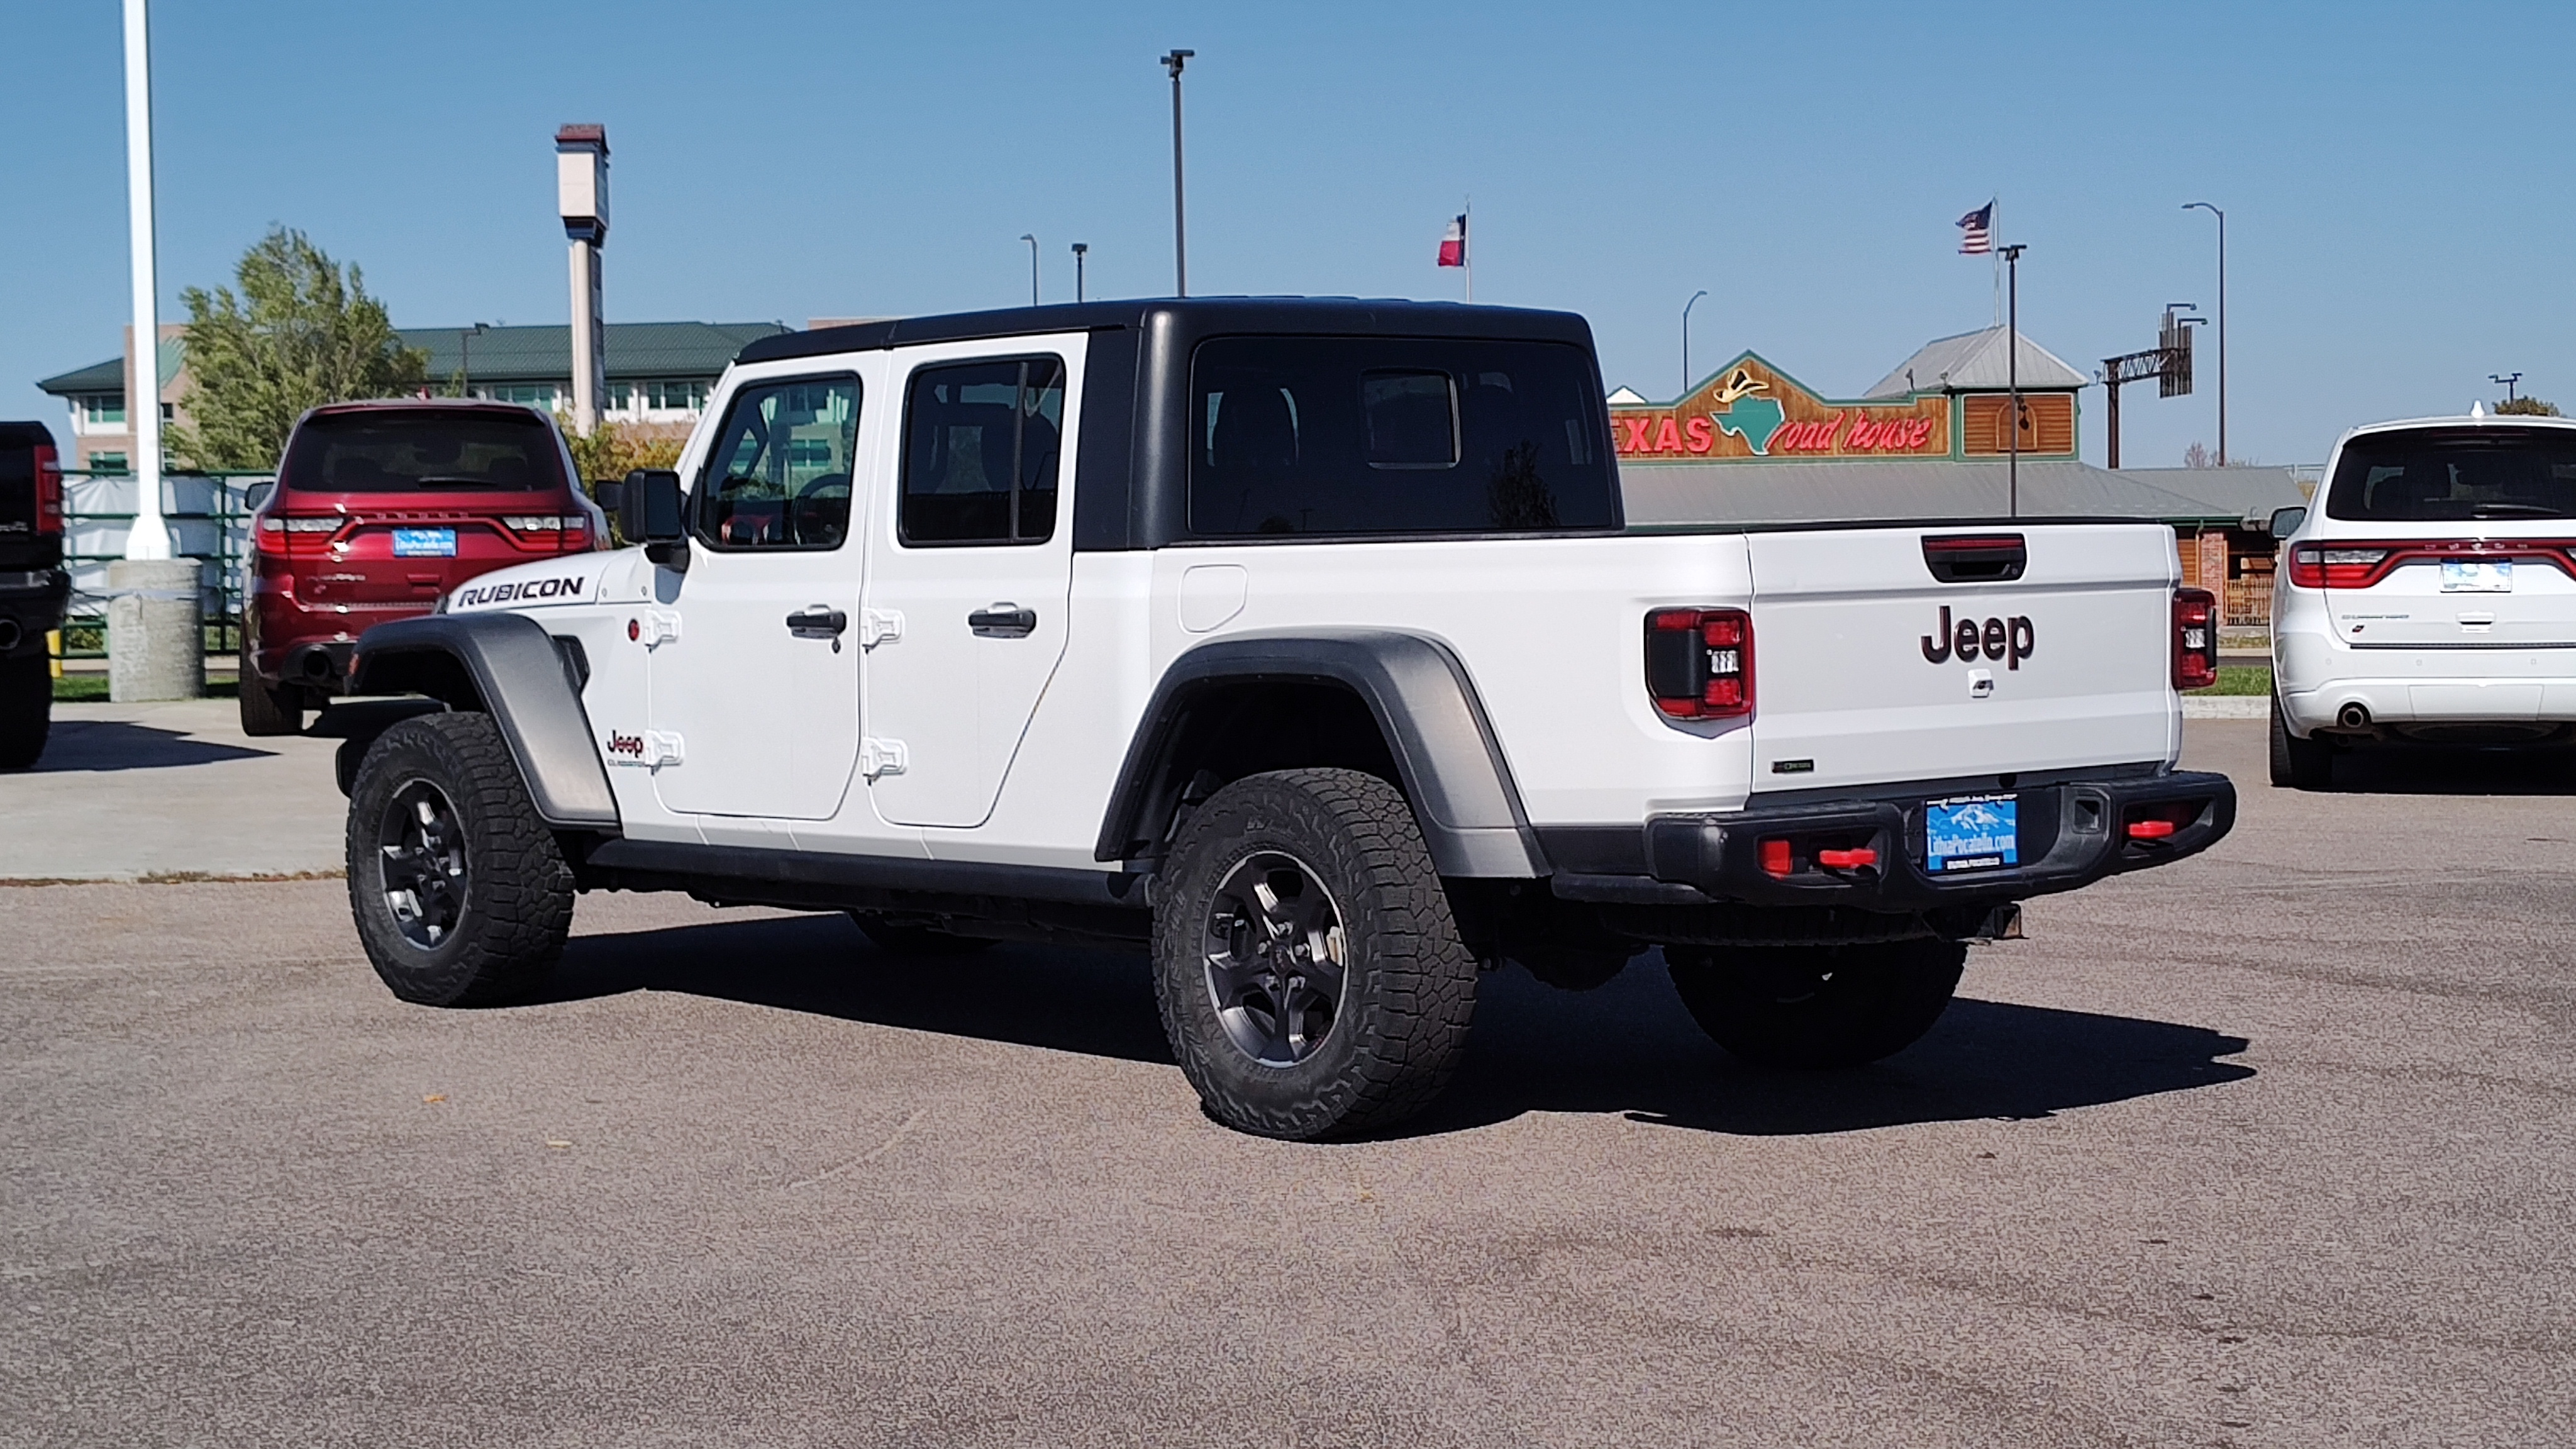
x: 1975, y: 558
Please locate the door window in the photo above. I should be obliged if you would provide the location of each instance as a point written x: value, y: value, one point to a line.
x: 981, y: 445
x: 779, y: 475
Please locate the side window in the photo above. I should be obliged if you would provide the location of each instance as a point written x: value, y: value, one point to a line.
x: 982, y: 443
x: 779, y: 475
x: 1346, y: 435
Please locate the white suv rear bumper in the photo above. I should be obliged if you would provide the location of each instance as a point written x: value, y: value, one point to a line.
x: 2317, y: 675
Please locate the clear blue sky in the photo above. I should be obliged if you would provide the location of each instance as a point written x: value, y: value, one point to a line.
x: 2395, y: 176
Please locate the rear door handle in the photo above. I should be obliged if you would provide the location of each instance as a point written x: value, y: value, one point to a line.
x: 1003, y: 621
x: 817, y: 622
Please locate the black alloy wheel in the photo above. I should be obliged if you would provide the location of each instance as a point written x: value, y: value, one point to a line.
x: 1276, y: 958
x: 425, y: 884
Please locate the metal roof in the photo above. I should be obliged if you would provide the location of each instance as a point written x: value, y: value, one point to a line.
x: 2239, y: 491
x: 1871, y: 489
x: 1976, y: 362
x: 516, y: 354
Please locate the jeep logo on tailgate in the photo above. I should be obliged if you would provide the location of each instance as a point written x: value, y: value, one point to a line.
x: 2008, y: 639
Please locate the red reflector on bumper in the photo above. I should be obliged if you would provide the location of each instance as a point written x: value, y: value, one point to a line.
x: 1775, y: 857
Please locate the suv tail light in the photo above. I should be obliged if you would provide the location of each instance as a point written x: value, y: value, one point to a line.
x: 1699, y: 662
x: 290, y: 533
x: 2314, y: 566
x: 49, y: 490
x: 568, y: 532
x: 2195, y: 639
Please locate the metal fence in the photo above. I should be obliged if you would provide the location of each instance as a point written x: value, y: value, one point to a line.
x: 209, y: 519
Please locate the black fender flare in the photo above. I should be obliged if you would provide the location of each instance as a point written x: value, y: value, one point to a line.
x: 1451, y: 767
x: 522, y: 680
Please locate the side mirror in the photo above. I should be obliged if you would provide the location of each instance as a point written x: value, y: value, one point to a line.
x: 2286, y: 521
x: 649, y: 512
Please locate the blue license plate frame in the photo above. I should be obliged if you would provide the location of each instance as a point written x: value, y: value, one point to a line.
x: 424, y: 543
x: 1971, y: 832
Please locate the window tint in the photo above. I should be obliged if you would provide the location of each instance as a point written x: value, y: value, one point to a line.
x: 1332, y: 435
x: 406, y: 450
x: 982, y: 443
x: 2454, y: 474
x: 779, y: 475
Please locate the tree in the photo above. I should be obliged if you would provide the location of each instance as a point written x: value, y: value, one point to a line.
x: 2197, y: 456
x: 303, y: 332
x: 2529, y: 407
x: 609, y: 454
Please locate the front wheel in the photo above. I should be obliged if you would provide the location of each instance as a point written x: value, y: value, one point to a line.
x: 1817, y: 1006
x: 461, y: 895
x: 1310, y: 975
x: 2298, y: 764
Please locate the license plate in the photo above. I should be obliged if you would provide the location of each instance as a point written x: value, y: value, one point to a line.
x: 1971, y: 832
x: 2464, y: 577
x: 424, y: 543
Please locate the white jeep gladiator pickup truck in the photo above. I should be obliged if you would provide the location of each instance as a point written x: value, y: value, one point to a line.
x: 1302, y: 641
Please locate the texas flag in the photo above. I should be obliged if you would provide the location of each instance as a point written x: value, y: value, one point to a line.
x: 1453, y: 247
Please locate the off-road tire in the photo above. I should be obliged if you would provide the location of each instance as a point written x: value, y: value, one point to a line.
x: 514, y: 906
x: 1399, y: 1017
x: 913, y: 940
x: 1809, y: 1007
x: 2299, y: 764
x: 268, y: 710
x: 26, y: 710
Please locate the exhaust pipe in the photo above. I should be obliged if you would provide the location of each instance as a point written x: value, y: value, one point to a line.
x: 317, y: 666
x: 9, y: 635
x: 2353, y: 717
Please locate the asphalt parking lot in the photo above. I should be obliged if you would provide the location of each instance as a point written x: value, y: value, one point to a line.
x: 2270, y: 1148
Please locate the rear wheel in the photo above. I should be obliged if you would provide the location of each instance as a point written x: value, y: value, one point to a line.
x: 26, y: 710
x: 268, y: 709
x: 2299, y: 764
x: 1311, y: 977
x: 1817, y: 1006
x: 461, y: 895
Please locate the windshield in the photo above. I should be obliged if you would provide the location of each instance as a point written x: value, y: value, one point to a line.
x: 2456, y: 474
x: 424, y: 451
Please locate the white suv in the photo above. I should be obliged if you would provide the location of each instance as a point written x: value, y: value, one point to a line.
x: 2431, y: 597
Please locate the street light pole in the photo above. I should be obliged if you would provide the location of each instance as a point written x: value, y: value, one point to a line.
x: 1180, y: 213
x: 1080, y: 249
x: 149, y: 537
x: 2222, y: 322
x: 465, y: 369
x: 2012, y: 373
x: 2508, y: 379
x: 1686, y: 309
x: 1033, y: 266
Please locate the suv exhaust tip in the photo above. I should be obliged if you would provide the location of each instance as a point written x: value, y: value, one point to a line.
x: 9, y: 635
x: 2353, y: 717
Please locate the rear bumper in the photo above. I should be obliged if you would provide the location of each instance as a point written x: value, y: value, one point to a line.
x: 2073, y: 833
x: 2318, y: 675
x: 31, y: 602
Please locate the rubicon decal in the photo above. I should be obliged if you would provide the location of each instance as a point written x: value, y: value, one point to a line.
x: 2007, y: 639
x: 520, y: 589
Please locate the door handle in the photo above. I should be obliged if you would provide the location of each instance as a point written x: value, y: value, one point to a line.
x: 1003, y: 621
x: 817, y: 622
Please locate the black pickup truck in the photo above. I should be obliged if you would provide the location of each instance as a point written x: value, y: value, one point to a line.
x: 33, y: 587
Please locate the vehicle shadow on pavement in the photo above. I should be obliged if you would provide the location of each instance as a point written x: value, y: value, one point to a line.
x: 1098, y: 1002
x: 1628, y: 1048
x: 108, y: 744
x: 1632, y: 1048
x: 2455, y: 770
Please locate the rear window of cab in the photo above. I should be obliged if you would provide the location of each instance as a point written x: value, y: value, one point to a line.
x: 422, y: 451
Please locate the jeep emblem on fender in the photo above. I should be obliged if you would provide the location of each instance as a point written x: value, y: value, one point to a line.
x: 2006, y: 639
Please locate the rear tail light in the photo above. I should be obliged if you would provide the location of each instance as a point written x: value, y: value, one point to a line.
x: 49, y: 490
x: 2313, y: 566
x: 568, y: 532
x: 286, y: 533
x: 275, y: 524
x: 2195, y: 639
x: 1699, y: 662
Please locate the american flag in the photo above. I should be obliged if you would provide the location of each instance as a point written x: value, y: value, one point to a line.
x: 1974, y: 231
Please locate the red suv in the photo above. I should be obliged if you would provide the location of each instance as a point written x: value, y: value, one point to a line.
x: 380, y: 509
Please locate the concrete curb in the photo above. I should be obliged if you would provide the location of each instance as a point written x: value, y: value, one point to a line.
x: 2227, y: 706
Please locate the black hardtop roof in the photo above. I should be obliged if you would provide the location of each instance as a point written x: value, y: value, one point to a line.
x: 1196, y: 316
x: 25, y: 435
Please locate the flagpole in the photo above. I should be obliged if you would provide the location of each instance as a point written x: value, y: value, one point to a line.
x: 1467, y: 246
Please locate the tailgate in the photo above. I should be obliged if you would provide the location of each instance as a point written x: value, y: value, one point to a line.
x: 2483, y: 595
x: 1870, y: 669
